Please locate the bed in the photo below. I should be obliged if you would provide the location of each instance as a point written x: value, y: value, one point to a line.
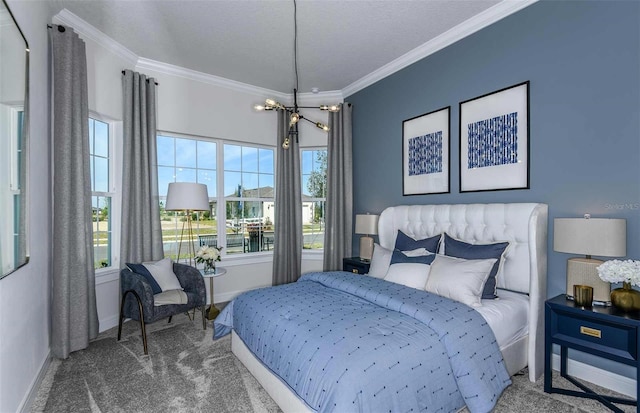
x: 521, y: 286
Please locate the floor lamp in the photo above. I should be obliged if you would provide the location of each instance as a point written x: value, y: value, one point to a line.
x: 187, y: 197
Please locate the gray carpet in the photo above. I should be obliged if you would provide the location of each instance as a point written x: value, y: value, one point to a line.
x: 186, y: 371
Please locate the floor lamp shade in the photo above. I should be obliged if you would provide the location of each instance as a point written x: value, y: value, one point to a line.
x: 187, y: 196
x: 366, y: 224
x: 606, y: 237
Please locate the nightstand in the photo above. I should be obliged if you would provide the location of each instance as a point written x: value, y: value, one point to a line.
x: 356, y: 265
x: 601, y: 331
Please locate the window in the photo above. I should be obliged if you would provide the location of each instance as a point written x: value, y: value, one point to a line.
x: 249, y: 198
x: 182, y: 159
x: 314, y: 196
x: 102, y: 191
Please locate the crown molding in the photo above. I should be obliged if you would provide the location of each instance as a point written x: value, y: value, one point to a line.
x: 87, y: 31
x: 480, y: 21
x: 169, y: 69
x: 320, y: 98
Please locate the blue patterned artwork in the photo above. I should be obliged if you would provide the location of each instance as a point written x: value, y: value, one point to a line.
x: 493, y: 141
x: 425, y: 154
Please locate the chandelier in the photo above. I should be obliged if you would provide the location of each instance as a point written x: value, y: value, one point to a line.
x: 293, y: 112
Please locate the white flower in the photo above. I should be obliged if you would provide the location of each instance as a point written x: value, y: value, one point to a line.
x: 208, y: 254
x: 620, y: 271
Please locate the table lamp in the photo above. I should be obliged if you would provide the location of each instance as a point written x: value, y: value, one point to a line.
x: 187, y: 197
x: 606, y: 237
x: 366, y: 224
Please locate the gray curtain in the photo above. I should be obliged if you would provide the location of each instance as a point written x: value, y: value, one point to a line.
x: 287, y: 245
x: 339, y: 209
x: 141, y: 238
x: 74, y: 318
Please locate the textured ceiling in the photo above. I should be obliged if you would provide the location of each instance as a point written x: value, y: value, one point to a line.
x: 251, y: 41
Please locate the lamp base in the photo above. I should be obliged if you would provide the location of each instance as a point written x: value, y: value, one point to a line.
x: 366, y: 248
x: 583, y: 271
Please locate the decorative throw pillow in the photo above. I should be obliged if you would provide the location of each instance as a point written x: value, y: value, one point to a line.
x: 410, y: 271
x: 458, y: 279
x: 461, y: 249
x: 159, y: 273
x: 142, y: 270
x: 382, y: 259
x: 406, y: 243
x: 170, y: 297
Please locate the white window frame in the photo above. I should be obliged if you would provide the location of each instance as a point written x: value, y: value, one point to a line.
x: 115, y: 191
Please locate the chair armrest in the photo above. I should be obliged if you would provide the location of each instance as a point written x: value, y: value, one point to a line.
x: 131, y: 281
x: 191, y: 280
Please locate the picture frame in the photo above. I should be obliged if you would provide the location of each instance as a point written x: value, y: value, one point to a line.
x: 426, y: 153
x: 494, y: 140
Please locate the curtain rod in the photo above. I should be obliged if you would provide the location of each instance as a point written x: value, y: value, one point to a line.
x: 147, y: 79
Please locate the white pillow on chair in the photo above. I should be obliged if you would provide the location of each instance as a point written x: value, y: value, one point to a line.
x: 162, y: 272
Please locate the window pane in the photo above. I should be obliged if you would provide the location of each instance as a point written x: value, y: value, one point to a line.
x: 307, y: 162
x: 91, y: 127
x: 266, y: 186
x: 313, y: 224
x: 232, y: 158
x: 185, y: 175
x: 206, y: 155
x: 166, y: 150
x: 232, y: 184
x: 186, y: 153
x: 266, y: 161
x: 101, y: 167
x: 250, y: 182
x: 101, y: 137
x: 209, y: 179
x: 249, y: 159
x: 101, y: 207
x: 165, y: 177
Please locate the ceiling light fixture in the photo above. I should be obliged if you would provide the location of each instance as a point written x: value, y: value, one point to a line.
x: 294, y: 111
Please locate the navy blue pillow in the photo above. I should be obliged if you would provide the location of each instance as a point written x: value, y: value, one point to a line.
x: 142, y: 270
x: 460, y: 249
x: 406, y: 243
x: 399, y: 258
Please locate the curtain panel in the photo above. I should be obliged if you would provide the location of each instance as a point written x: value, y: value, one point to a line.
x: 287, y: 246
x: 338, y: 230
x: 74, y: 317
x: 141, y: 232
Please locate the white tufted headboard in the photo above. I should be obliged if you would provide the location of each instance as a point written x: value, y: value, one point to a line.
x: 525, y: 266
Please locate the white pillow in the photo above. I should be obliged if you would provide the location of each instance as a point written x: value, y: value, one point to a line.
x: 162, y: 272
x: 458, y: 279
x: 381, y: 259
x: 412, y: 275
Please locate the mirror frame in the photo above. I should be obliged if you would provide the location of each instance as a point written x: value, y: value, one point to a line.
x: 22, y: 227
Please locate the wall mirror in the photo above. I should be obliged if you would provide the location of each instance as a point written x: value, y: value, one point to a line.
x: 14, y: 101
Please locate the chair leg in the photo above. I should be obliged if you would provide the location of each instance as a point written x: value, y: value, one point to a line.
x: 141, y: 312
x: 170, y: 317
x: 204, y: 317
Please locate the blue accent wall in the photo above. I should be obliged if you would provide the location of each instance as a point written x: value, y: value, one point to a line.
x: 583, y: 61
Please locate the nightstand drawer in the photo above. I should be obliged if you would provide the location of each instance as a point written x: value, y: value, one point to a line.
x: 352, y: 268
x: 355, y: 265
x: 615, y: 339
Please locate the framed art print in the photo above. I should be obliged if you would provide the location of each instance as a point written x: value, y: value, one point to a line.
x: 494, y: 140
x: 425, y: 153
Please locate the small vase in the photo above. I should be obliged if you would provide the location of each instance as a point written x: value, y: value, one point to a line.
x: 210, y: 268
x: 626, y: 298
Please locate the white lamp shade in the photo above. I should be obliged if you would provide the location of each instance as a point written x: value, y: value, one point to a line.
x: 367, y: 224
x: 605, y: 237
x: 187, y: 196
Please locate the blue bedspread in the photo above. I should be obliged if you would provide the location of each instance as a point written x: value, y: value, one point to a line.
x: 348, y: 343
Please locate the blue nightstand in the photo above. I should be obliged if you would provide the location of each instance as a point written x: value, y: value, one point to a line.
x: 601, y: 331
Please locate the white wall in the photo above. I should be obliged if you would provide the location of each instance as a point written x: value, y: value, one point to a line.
x: 24, y: 295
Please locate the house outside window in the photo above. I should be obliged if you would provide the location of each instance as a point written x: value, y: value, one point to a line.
x: 314, y: 196
x: 102, y: 190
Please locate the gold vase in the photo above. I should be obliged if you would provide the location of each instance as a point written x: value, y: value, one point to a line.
x: 626, y: 298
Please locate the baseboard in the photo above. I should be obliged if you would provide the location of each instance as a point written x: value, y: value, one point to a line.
x: 30, y: 397
x: 607, y: 379
x: 108, y: 322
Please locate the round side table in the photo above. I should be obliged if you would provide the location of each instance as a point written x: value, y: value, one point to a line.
x: 212, y: 311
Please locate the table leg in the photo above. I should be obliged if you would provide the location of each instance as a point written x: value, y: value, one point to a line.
x: 212, y: 311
